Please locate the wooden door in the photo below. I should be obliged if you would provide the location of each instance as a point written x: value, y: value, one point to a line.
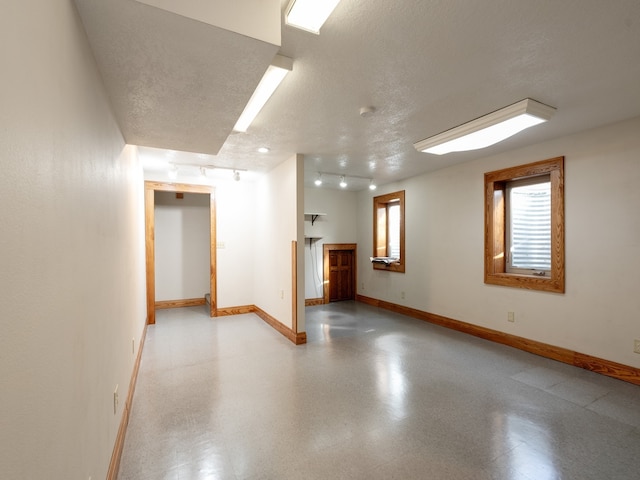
x: 341, y: 275
x: 150, y: 188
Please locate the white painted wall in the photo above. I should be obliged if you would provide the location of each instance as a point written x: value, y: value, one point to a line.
x: 182, y: 251
x: 338, y: 226
x: 598, y: 314
x: 71, y: 250
x: 237, y: 242
x: 278, y: 221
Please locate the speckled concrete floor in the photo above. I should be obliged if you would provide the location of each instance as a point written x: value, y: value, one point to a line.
x: 372, y: 395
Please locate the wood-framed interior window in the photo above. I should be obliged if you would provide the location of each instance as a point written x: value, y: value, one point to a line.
x: 388, y: 231
x: 524, y: 226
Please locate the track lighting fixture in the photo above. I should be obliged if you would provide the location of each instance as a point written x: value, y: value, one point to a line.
x: 202, y: 170
x: 343, y: 181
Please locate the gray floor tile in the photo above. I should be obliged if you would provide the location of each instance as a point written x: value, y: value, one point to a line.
x: 371, y: 395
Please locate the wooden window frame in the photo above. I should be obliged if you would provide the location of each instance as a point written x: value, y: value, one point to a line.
x: 380, y: 234
x: 495, y: 228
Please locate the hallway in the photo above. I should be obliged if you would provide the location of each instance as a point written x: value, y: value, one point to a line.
x: 371, y: 395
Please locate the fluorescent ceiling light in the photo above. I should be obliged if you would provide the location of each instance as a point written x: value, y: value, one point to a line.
x: 309, y: 15
x: 270, y: 81
x: 489, y: 129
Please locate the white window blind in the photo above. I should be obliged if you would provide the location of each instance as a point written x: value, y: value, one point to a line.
x: 529, y: 227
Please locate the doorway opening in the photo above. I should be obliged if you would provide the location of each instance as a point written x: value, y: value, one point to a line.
x: 339, y: 271
x: 149, y: 196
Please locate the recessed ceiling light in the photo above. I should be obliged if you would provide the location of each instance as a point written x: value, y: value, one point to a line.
x: 488, y: 129
x: 263, y: 150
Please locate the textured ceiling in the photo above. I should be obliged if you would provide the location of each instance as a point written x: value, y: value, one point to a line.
x: 174, y: 82
x: 425, y: 67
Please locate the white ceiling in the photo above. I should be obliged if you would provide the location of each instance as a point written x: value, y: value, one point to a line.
x: 425, y: 66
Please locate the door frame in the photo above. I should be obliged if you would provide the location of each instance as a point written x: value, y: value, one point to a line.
x: 150, y: 244
x: 326, y: 249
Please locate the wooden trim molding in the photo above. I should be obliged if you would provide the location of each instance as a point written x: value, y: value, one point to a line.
x: 581, y: 360
x: 495, y: 185
x: 381, y: 205
x: 149, y: 195
x: 223, y: 312
x: 310, y: 302
x: 188, y: 302
x: 150, y: 246
x: 296, y: 337
x: 116, y: 455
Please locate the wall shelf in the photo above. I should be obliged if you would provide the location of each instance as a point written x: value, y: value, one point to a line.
x: 314, y: 216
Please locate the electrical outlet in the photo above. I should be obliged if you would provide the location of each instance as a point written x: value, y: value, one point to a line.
x: 362, y: 285
x: 282, y: 294
x: 402, y: 295
x: 511, y: 317
x: 636, y: 346
x: 115, y: 400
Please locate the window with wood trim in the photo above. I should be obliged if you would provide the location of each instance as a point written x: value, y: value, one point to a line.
x: 524, y: 226
x: 388, y: 232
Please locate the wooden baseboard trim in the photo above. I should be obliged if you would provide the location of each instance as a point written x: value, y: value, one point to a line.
x: 188, y: 302
x: 297, y: 338
x: 223, y: 312
x: 577, y: 359
x: 310, y: 302
x: 114, y: 464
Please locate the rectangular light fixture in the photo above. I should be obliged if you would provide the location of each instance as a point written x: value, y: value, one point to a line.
x: 309, y: 15
x: 489, y: 129
x: 276, y: 72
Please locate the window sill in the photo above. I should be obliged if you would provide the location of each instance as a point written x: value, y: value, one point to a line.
x: 530, y: 282
x: 392, y: 267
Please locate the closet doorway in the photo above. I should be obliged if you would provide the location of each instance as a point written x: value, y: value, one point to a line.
x: 339, y: 272
x: 149, y: 201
